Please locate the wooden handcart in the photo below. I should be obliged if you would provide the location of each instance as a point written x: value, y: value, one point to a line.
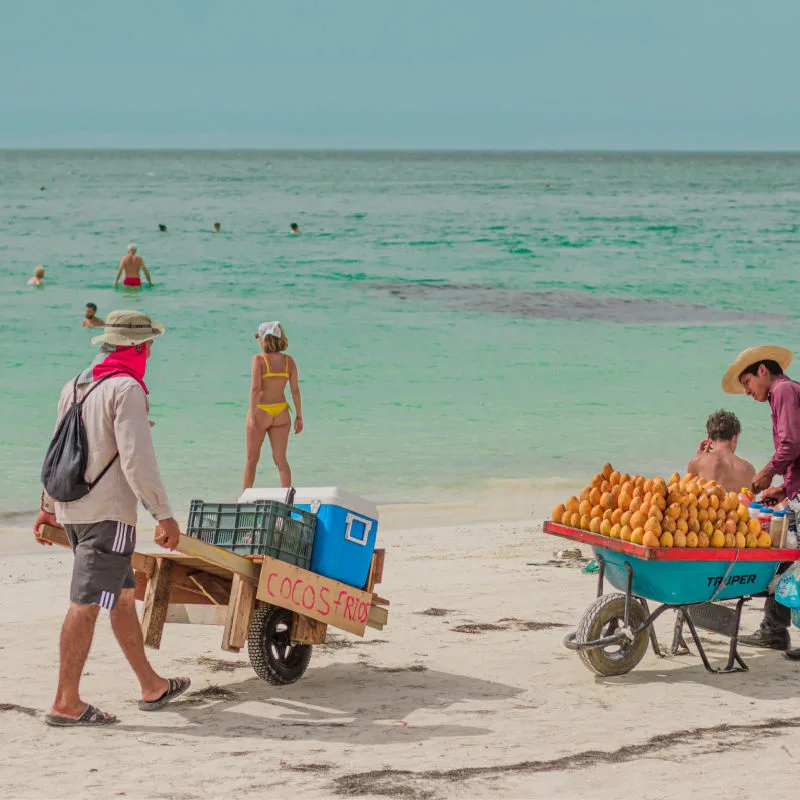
x: 279, y: 610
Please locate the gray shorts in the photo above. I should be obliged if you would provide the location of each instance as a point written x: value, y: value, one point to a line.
x: 102, y: 567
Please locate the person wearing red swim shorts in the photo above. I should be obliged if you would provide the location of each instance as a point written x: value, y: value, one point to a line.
x: 132, y: 264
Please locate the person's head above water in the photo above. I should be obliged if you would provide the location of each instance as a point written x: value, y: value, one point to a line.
x: 162, y: 228
x: 217, y: 226
x: 294, y: 228
x: 724, y: 426
x: 39, y: 272
x: 132, y: 249
x: 91, y: 310
x: 272, y: 337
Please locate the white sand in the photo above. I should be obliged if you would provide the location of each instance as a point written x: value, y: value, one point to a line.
x: 417, y: 710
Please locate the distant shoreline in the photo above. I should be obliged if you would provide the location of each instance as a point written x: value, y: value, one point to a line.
x: 407, y: 151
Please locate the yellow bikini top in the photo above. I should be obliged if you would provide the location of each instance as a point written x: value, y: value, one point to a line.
x: 269, y: 374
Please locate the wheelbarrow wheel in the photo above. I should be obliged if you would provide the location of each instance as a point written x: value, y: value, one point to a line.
x: 605, y: 618
x: 269, y: 644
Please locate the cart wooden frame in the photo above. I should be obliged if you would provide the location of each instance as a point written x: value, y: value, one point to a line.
x: 201, y: 583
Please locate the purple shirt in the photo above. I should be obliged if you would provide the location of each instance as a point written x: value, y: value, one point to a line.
x: 784, y: 400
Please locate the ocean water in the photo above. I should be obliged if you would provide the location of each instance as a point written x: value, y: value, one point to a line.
x: 458, y: 318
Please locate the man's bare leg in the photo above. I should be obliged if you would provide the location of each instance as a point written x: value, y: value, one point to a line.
x: 76, y: 640
x: 125, y: 624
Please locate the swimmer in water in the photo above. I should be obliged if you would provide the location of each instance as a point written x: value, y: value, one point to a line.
x: 217, y: 226
x: 132, y: 264
x: 162, y: 228
x: 293, y: 229
x: 91, y: 320
x: 38, y: 277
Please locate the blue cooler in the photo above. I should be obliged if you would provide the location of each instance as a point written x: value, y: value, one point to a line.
x: 347, y: 527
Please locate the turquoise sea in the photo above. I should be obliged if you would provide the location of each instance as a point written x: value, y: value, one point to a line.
x: 457, y: 317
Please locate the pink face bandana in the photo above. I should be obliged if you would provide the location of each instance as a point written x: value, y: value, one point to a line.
x: 130, y: 361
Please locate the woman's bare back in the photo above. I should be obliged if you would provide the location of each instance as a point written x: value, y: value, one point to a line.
x: 274, y: 378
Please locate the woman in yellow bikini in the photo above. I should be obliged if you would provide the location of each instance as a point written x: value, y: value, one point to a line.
x: 269, y: 411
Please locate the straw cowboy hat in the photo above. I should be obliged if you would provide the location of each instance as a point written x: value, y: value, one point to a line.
x: 766, y: 352
x: 127, y: 328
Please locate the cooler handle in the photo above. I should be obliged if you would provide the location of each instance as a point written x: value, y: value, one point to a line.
x: 350, y: 536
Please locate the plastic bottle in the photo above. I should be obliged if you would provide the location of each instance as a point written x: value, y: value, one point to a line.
x: 776, y: 529
x: 754, y: 509
x: 789, y: 537
x: 765, y: 519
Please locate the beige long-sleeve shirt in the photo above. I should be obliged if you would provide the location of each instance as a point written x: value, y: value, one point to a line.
x: 115, y: 416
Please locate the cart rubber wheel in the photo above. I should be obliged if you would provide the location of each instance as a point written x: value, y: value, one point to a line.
x: 272, y: 654
x: 603, y: 618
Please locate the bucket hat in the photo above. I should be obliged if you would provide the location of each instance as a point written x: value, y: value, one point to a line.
x: 126, y: 328
x: 765, y: 352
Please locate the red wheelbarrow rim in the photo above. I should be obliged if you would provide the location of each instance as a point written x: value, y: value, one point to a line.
x: 773, y: 554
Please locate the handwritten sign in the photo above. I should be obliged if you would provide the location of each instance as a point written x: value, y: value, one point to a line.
x: 314, y: 596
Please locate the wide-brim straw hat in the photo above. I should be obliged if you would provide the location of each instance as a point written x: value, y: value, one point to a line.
x: 128, y: 328
x: 745, y: 359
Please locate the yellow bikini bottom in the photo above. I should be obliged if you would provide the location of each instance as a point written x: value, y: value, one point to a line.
x: 273, y: 409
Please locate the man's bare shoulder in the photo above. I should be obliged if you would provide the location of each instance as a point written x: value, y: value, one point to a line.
x: 696, y: 463
x: 746, y: 470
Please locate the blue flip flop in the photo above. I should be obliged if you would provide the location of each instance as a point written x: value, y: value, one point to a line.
x: 90, y: 716
x: 177, y: 686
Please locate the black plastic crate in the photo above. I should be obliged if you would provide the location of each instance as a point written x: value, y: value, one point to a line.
x: 262, y: 528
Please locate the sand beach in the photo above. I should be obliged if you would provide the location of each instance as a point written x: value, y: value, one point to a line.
x: 468, y: 691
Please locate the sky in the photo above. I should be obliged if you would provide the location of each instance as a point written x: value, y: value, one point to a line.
x: 386, y: 74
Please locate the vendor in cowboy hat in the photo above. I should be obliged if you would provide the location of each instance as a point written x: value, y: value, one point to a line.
x: 758, y: 373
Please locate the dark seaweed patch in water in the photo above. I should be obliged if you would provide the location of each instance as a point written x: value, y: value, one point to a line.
x: 567, y: 304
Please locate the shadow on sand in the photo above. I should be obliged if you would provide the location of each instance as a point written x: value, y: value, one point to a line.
x: 353, y: 703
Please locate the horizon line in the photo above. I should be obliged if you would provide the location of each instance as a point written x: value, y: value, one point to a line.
x: 598, y: 151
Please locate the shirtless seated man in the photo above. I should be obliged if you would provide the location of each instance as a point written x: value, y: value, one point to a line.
x: 132, y: 264
x: 716, y: 458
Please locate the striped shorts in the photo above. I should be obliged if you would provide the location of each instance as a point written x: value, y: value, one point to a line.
x: 102, y: 567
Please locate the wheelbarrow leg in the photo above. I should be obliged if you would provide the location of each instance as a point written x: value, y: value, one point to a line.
x: 733, y: 632
x: 628, y: 590
x: 697, y: 642
x: 733, y: 655
x: 679, y: 646
x: 651, y: 630
x: 601, y: 574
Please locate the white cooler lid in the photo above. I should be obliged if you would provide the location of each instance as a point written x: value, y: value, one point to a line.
x: 328, y: 495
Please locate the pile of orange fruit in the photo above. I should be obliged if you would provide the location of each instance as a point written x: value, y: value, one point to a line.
x: 655, y: 512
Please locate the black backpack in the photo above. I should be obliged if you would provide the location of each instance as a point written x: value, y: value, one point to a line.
x: 64, y: 469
